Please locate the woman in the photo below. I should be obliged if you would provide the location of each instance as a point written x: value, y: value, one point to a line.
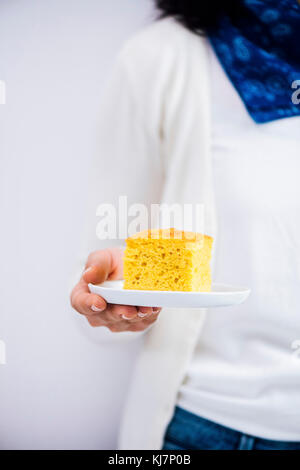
x: 201, y: 105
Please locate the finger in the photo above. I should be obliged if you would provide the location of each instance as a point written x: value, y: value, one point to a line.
x: 96, y: 321
x: 126, y: 312
x: 104, y: 264
x: 156, y: 309
x: 118, y: 327
x: 114, y: 327
x: 146, y: 319
x: 100, y: 270
x: 142, y: 325
x: 87, y: 303
x: 144, y: 312
x: 151, y: 318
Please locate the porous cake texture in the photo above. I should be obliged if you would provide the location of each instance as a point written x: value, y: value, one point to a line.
x: 168, y: 260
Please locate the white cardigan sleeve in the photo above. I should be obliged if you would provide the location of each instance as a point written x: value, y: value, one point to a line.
x: 153, y: 129
x: 149, y: 128
x: 128, y: 160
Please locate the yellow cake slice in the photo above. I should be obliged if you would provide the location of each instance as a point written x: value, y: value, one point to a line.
x: 168, y: 259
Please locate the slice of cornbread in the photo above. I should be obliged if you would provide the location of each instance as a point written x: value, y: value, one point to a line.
x: 168, y: 259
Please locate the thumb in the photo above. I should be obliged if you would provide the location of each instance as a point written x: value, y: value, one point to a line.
x: 101, y: 265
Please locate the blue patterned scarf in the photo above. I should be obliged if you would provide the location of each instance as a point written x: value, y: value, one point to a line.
x: 261, y: 56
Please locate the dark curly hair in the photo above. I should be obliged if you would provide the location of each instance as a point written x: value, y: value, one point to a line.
x: 200, y: 16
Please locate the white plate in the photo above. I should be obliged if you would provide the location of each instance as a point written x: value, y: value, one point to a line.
x: 220, y: 296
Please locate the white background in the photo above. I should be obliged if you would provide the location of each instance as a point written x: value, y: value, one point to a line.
x: 62, y: 386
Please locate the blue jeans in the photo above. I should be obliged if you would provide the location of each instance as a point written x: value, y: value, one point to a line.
x: 187, y: 431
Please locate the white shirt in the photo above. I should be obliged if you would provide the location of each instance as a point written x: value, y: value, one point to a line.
x: 245, y: 373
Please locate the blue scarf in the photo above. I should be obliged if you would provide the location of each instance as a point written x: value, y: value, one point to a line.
x: 261, y: 56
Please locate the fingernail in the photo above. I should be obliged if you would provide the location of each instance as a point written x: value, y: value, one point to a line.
x: 96, y: 309
x: 126, y: 318
x: 142, y: 315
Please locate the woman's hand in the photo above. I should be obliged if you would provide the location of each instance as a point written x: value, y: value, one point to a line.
x: 105, y: 265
